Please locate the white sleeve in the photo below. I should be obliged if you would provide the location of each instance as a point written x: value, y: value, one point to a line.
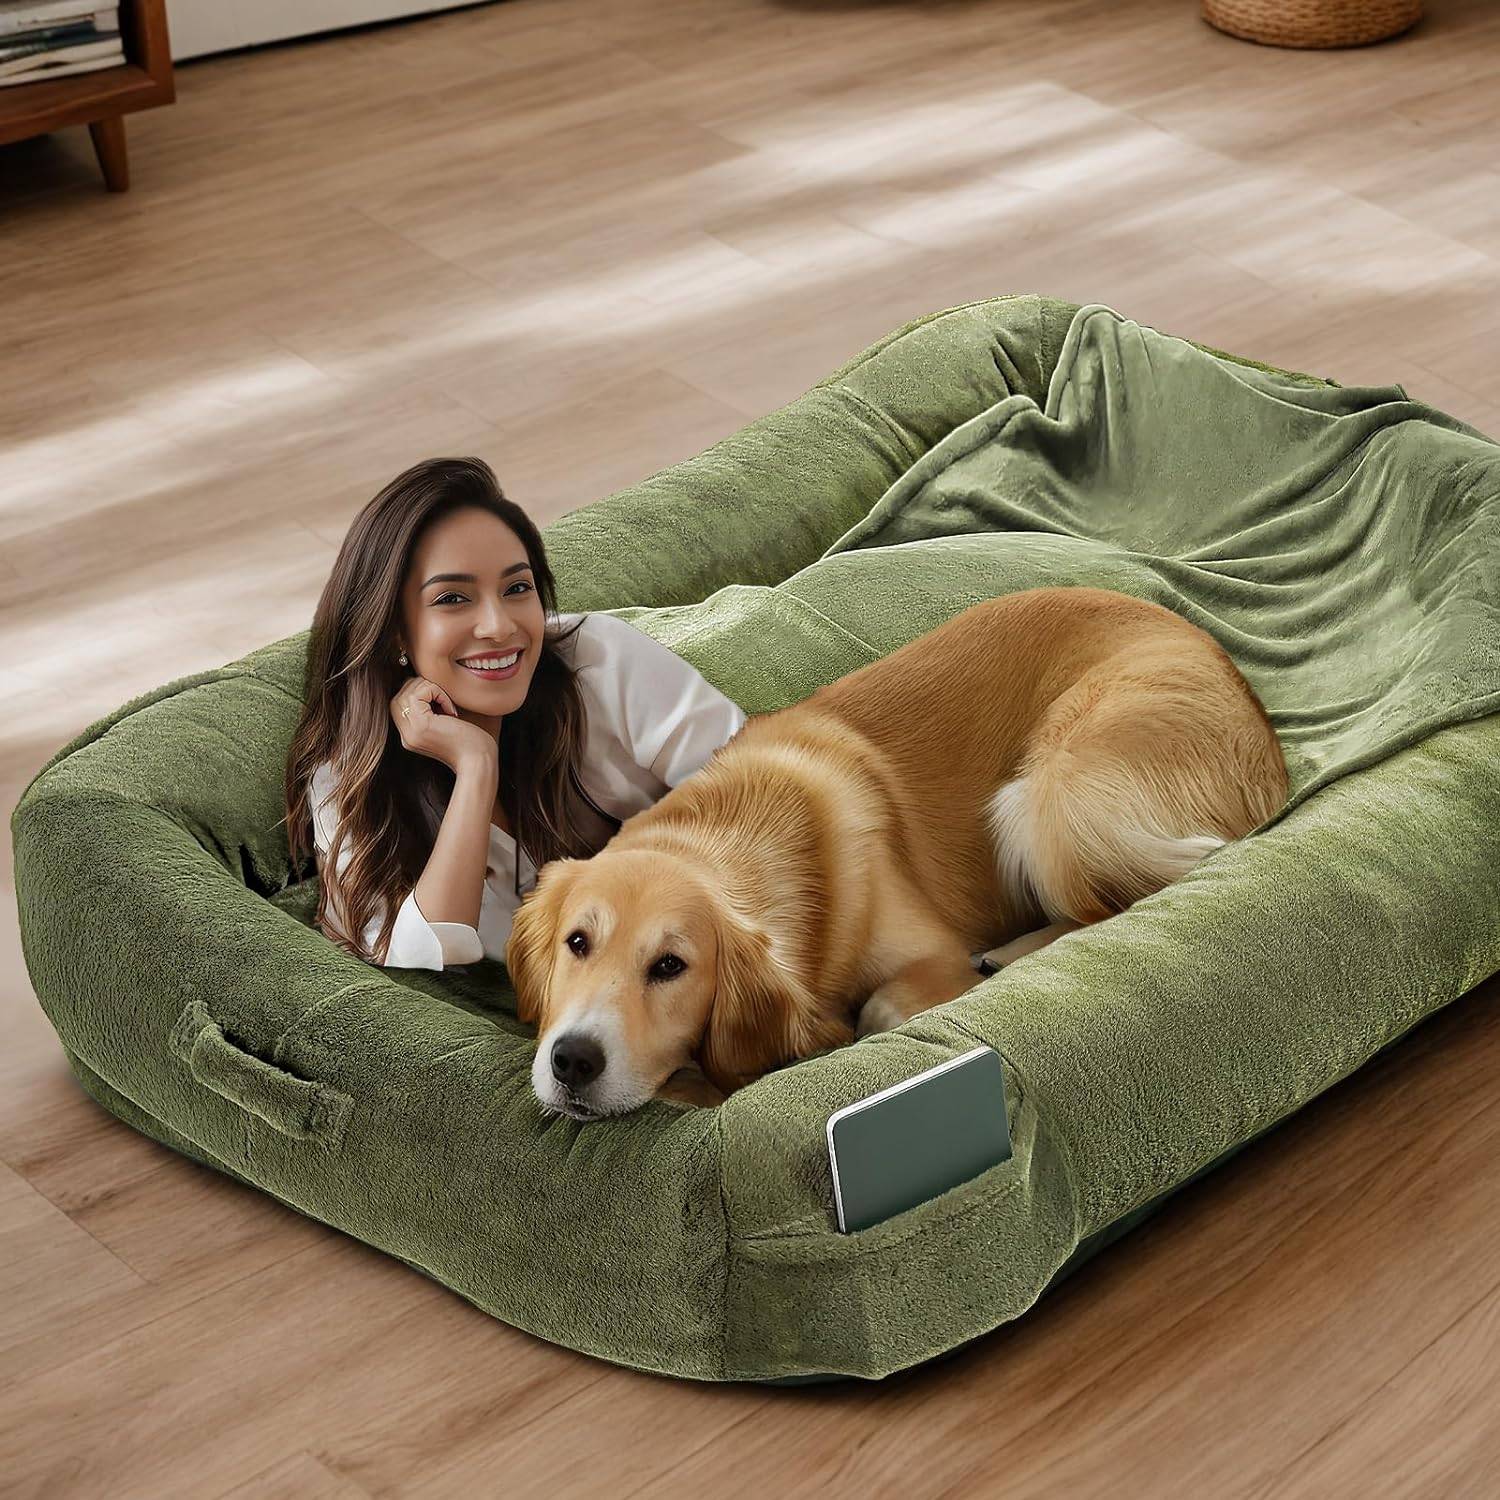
x: 669, y: 716
x: 415, y: 942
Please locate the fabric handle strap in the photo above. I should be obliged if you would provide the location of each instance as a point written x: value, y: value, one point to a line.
x: 297, y: 1107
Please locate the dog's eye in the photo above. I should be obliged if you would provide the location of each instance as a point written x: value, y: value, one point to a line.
x: 668, y: 966
x: 578, y: 943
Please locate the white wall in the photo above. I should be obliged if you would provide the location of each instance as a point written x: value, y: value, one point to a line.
x: 200, y: 27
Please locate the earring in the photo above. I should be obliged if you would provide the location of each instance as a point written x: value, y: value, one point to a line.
x: 403, y: 658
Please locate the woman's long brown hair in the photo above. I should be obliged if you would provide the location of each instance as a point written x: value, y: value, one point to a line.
x: 352, y: 675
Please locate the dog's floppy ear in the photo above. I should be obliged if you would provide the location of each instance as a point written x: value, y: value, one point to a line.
x: 532, y: 948
x: 754, y: 1014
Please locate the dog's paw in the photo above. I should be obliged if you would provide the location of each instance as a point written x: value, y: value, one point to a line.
x: 878, y: 1014
x: 690, y: 1085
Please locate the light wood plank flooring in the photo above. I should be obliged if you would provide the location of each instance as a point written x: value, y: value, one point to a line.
x: 649, y: 221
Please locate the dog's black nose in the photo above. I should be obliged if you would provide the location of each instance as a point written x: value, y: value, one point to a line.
x: 576, y: 1060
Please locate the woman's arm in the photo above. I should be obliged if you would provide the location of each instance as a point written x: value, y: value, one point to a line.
x: 415, y: 942
x: 451, y: 886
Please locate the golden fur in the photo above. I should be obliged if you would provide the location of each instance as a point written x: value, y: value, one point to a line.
x: 1035, y: 764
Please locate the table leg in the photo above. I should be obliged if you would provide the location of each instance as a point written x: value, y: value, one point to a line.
x: 109, y: 147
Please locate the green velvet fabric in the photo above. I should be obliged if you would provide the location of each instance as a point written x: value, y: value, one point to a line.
x: 1334, y: 541
x: 1340, y: 543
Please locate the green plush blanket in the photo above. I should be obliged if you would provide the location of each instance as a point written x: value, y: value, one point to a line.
x: 1338, y: 542
x: 1335, y: 540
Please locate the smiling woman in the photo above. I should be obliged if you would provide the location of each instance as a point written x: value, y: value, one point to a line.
x: 458, y: 733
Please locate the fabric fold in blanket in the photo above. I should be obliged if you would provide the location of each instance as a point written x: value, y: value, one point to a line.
x: 1340, y: 543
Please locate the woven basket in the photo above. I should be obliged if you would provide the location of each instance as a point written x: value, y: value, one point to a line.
x: 1312, y: 23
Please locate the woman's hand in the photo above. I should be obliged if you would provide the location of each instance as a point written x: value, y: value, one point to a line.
x: 429, y: 724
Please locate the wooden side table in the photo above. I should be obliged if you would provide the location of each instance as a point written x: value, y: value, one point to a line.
x: 100, y: 100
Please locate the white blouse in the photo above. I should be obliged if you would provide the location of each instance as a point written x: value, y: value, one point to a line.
x: 652, y: 720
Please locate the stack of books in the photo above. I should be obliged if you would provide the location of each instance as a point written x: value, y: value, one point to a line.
x: 49, y: 38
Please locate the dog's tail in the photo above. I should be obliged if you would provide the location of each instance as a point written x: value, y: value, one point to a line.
x: 1084, y: 849
x: 1130, y: 779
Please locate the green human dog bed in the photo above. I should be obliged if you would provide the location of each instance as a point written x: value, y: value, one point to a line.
x: 1338, y: 542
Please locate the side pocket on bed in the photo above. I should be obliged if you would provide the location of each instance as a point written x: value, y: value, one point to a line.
x: 297, y: 1107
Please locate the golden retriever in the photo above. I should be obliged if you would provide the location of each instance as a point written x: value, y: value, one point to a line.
x: 1037, y: 763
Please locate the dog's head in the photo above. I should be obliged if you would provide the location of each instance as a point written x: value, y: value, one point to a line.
x: 632, y: 966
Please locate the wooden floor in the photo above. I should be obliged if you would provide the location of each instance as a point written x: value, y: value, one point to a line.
x: 651, y: 220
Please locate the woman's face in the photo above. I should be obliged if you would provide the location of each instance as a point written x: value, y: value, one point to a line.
x: 469, y: 601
